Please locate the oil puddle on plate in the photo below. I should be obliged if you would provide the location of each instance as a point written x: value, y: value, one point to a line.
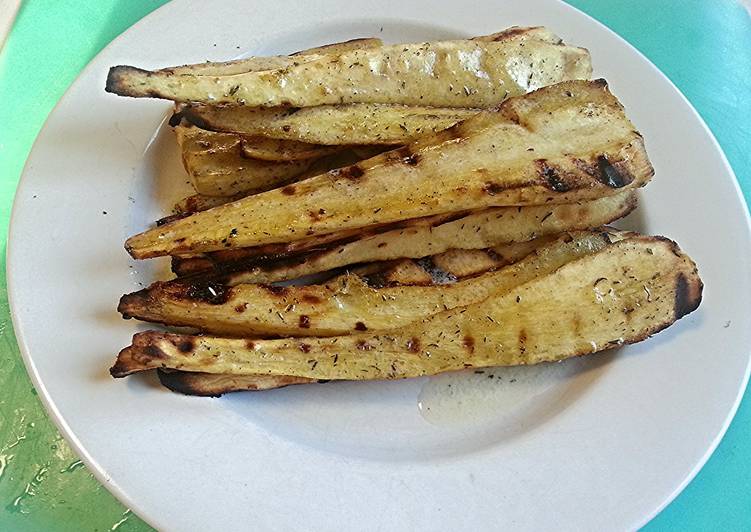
x: 492, y: 394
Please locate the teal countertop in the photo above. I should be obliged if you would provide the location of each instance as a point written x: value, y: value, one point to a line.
x: 704, y: 46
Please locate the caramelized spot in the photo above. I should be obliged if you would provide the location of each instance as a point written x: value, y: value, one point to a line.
x: 210, y: 292
x: 469, y: 344
x: 154, y: 352
x: 241, y: 308
x: 610, y: 175
x: 250, y: 344
x: 522, y: 341
x: 351, y: 172
x: 186, y: 345
x: 276, y: 290
x: 362, y: 345
x: 413, y: 345
x: 289, y: 190
x: 305, y: 348
x: 313, y: 300
x: 360, y: 326
x: 551, y: 176
x: 304, y: 322
x: 491, y: 189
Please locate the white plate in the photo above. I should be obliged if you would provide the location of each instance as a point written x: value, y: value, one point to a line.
x: 606, y: 448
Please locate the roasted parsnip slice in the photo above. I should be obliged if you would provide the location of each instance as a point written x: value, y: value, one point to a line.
x: 256, y: 64
x: 345, y: 304
x: 218, y: 165
x: 461, y: 73
x: 485, y: 229
x: 622, y: 294
x: 560, y: 144
x: 352, y: 124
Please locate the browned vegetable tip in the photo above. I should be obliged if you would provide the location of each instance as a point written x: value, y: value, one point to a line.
x: 505, y: 157
x: 349, y: 303
x: 622, y: 294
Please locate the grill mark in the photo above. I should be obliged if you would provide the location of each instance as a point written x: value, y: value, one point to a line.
x: 437, y: 275
x: 353, y: 172
x: 610, y: 175
x: 522, y: 341
x: 186, y: 345
x: 275, y: 290
x: 553, y: 179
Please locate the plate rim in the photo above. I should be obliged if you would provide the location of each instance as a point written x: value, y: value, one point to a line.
x: 98, y: 470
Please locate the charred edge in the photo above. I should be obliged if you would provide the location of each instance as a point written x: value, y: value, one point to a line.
x: 305, y: 348
x: 182, y: 382
x: 209, y: 292
x: 134, y: 301
x: 360, y: 326
x: 289, y: 190
x: 551, y: 176
x: 600, y: 82
x: 610, y: 175
x: 304, y: 322
x: 469, y: 344
x: 685, y: 301
x: 512, y: 33
x: 175, y: 119
x: 174, y: 217
x: 413, y: 345
x: 116, y: 76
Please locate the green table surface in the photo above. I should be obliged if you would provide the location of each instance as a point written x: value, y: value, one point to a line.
x: 704, y: 46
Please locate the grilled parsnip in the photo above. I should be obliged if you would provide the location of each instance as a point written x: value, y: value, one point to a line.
x: 462, y: 73
x: 218, y: 165
x: 560, y: 144
x: 485, y: 229
x: 361, y: 123
x: 256, y: 64
x: 343, y: 305
x: 621, y: 294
